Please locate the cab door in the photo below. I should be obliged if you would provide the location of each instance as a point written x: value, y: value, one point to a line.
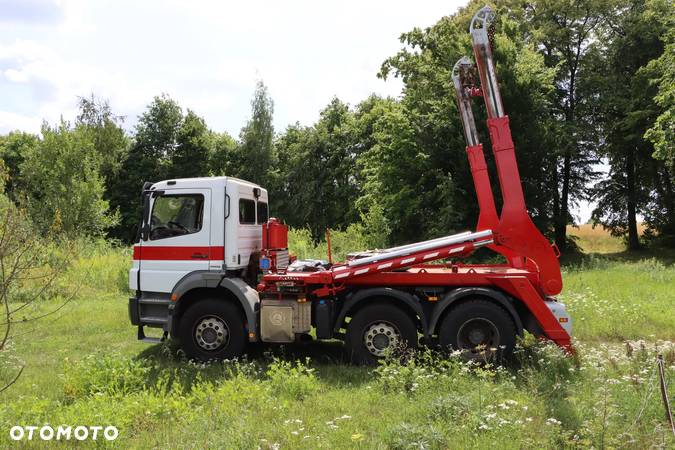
x: 178, y: 241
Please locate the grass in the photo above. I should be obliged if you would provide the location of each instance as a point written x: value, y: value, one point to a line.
x: 617, y: 300
x: 84, y: 366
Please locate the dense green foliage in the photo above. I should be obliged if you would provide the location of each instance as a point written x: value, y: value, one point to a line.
x: 662, y: 134
x: 166, y: 144
x: 628, y: 108
x: 63, y: 184
x: 254, y: 157
x: 583, y: 83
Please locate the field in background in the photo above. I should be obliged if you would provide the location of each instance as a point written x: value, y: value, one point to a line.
x: 596, y: 239
x: 84, y: 366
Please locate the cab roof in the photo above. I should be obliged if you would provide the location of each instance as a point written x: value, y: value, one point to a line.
x: 201, y: 182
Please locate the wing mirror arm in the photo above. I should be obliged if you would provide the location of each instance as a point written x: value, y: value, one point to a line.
x: 145, y: 225
x: 145, y: 222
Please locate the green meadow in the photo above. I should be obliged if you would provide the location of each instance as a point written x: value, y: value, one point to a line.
x: 83, y: 366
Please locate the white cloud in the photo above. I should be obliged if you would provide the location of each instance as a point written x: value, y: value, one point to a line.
x: 207, y: 55
x: 11, y: 121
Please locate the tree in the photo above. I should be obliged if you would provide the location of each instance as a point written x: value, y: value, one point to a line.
x: 662, y: 133
x: 192, y: 154
x: 28, y: 269
x: 565, y: 33
x: 223, y: 155
x: 628, y: 110
x: 291, y: 149
x: 396, y: 170
x: 150, y: 156
x: 63, y: 185
x: 432, y: 132
x: 376, y: 228
x: 318, y: 174
x: 104, y: 129
x: 256, y: 149
x: 12, y: 148
x: 660, y: 211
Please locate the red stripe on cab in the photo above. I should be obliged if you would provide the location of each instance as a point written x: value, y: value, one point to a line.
x: 166, y: 253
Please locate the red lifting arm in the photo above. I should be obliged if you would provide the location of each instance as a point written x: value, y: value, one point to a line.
x: 516, y: 236
x: 463, y: 79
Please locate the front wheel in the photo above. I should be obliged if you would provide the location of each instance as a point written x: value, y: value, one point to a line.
x: 212, y: 329
x: 480, y: 329
x: 376, y: 330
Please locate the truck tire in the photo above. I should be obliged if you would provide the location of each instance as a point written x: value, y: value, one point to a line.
x: 212, y: 329
x: 480, y: 329
x: 375, y: 329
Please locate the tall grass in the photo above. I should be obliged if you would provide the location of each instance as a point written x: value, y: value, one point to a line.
x: 617, y: 300
x: 603, y: 399
x: 100, y: 266
x: 84, y: 366
x: 353, y: 239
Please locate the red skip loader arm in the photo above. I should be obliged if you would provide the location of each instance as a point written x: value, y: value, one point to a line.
x: 487, y: 217
x: 532, y: 272
x: 516, y: 236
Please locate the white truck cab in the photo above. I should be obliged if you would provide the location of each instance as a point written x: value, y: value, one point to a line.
x: 196, y: 233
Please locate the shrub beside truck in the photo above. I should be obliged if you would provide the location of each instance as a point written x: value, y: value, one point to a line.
x: 212, y: 269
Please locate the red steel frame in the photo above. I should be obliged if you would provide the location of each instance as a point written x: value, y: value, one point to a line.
x: 532, y: 271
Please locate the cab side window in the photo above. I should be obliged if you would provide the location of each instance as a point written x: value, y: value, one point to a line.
x: 262, y: 213
x: 176, y: 215
x: 246, y: 211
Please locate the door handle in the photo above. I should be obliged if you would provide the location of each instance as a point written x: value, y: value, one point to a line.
x: 199, y: 256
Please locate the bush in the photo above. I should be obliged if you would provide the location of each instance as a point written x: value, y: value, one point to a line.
x: 355, y: 238
x: 294, y: 380
x: 100, y: 265
x: 66, y: 190
x: 406, y: 436
x: 394, y: 377
x: 108, y: 374
x: 450, y: 408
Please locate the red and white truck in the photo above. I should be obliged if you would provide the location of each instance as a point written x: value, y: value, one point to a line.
x: 211, y: 269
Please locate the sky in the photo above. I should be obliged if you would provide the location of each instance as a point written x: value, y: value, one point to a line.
x: 207, y: 55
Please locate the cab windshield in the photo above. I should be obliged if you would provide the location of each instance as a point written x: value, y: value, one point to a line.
x: 176, y: 215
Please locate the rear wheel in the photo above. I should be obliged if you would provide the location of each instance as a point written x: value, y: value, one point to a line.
x: 376, y: 330
x: 480, y: 329
x: 212, y: 329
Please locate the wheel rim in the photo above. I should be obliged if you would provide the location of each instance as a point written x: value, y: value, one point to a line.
x: 476, y: 335
x: 381, y: 336
x: 211, y: 333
